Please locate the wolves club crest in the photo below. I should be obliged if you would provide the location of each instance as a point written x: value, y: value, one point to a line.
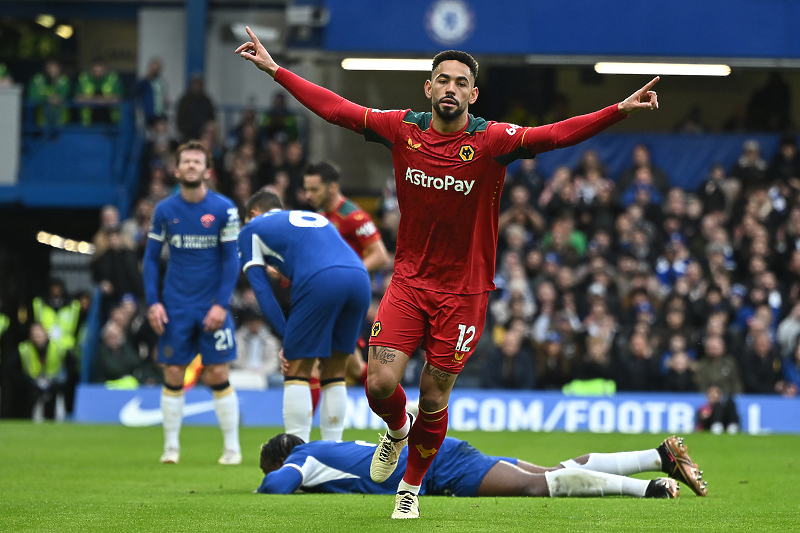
x: 207, y: 220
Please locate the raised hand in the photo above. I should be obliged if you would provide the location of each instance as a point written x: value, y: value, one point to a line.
x: 644, y: 98
x: 254, y: 51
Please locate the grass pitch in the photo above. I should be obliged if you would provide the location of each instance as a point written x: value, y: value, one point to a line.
x: 75, y: 477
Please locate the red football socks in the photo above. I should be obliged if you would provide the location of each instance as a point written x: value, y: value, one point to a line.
x: 392, y: 409
x: 427, y: 435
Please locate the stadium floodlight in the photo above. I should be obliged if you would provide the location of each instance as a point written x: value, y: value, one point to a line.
x: 665, y: 69
x: 366, y: 63
x: 64, y: 31
x: 45, y: 20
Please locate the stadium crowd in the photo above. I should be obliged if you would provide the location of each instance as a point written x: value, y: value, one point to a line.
x: 600, y: 279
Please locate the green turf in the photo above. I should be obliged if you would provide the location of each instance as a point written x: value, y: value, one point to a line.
x: 74, y: 477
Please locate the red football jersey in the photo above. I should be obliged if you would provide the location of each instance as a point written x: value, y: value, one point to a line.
x: 448, y: 186
x: 354, y: 225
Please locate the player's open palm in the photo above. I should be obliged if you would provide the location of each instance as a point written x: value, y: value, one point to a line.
x: 255, y: 52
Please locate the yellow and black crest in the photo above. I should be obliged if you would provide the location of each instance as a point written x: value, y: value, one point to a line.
x: 466, y: 153
x: 376, y: 328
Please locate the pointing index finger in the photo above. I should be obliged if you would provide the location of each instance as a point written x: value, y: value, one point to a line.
x: 252, y: 35
x: 652, y: 82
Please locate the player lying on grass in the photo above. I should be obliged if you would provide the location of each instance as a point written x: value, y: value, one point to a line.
x: 289, y: 464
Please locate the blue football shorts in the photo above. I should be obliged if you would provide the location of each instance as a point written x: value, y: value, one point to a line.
x: 327, y: 313
x: 184, y: 337
x: 459, y: 471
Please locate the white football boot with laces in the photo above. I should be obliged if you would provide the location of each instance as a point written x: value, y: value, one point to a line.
x: 384, y: 460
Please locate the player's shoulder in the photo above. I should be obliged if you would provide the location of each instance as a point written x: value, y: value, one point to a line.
x: 220, y: 200
x: 418, y: 119
x: 350, y: 209
x: 170, y: 202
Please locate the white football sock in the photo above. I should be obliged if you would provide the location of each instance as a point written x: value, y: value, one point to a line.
x: 297, y: 409
x: 403, y: 431
x: 172, y: 414
x: 332, y: 410
x: 410, y: 488
x: 621, y: 464
x: 226, y: 405
x: 572, y: 482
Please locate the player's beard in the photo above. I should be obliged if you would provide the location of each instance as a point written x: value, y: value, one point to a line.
x: 448, y: 115
x: 190, y: 184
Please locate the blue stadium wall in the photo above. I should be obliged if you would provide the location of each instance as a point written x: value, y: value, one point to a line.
x: 484, y: 410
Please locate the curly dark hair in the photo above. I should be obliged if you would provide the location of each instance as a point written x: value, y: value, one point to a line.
x: 275, y: 451
x: 456, y: 55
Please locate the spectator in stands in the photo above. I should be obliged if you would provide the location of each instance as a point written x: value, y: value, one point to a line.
x: 642, y: 191
x: 527, y: 175
x: 641, y: 370
x: 788, y: 331
x: 597, y: 363
x: 770, y: 107
x: 280, y: 124
x: 791, y: 372
x: 58, y: 314
x: 692, y: 122
x: 673, y: 263
x: 553, y: 368
x: 151, y: 93
x: 49, y: 91
x: 718, y: 369
x: 761, y: 367
x: 195, y: 110
x: 43, y: 364
x: 718, y: 413
x: 521, y: 213
x: 109, y: 218
x: 680, y: 376
x: 116, y: 358
x: 134, y: 229
x: 785, y: 164
x: 750, y: 168
x: 511, y: 365
x: 116, y: 271
x: 257, y: 350
x: 641, y: 159
x: 103, y: 90
x: 716, y: 193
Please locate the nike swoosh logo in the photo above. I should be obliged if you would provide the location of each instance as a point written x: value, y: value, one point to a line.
x: 132, y: 414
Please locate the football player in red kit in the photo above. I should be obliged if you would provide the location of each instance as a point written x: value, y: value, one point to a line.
x: 449, y: 168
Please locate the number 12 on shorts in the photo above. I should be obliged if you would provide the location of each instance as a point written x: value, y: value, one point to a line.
x: 464, y: 331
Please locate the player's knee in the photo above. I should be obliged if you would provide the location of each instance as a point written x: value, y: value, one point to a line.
x: 380, y: 386
x: 216, y: 374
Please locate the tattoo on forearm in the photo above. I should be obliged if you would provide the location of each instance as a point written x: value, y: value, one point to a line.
x: 436, y: 374
x: 383, y: 355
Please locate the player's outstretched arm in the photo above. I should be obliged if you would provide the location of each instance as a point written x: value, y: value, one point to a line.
x: 255, y: 52
x: 327, y: 104
x: 644, y: 98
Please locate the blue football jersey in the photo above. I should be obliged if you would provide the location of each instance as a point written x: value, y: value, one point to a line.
x: 325, y: 466
x: 197, y: 234
x: 298, y: 243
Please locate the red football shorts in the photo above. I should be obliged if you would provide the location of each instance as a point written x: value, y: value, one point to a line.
x: 447, y: 325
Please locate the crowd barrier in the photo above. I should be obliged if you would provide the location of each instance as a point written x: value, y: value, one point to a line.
x: 484, y: 410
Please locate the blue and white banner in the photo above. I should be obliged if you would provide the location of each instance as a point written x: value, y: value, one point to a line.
x: 484, y: 410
